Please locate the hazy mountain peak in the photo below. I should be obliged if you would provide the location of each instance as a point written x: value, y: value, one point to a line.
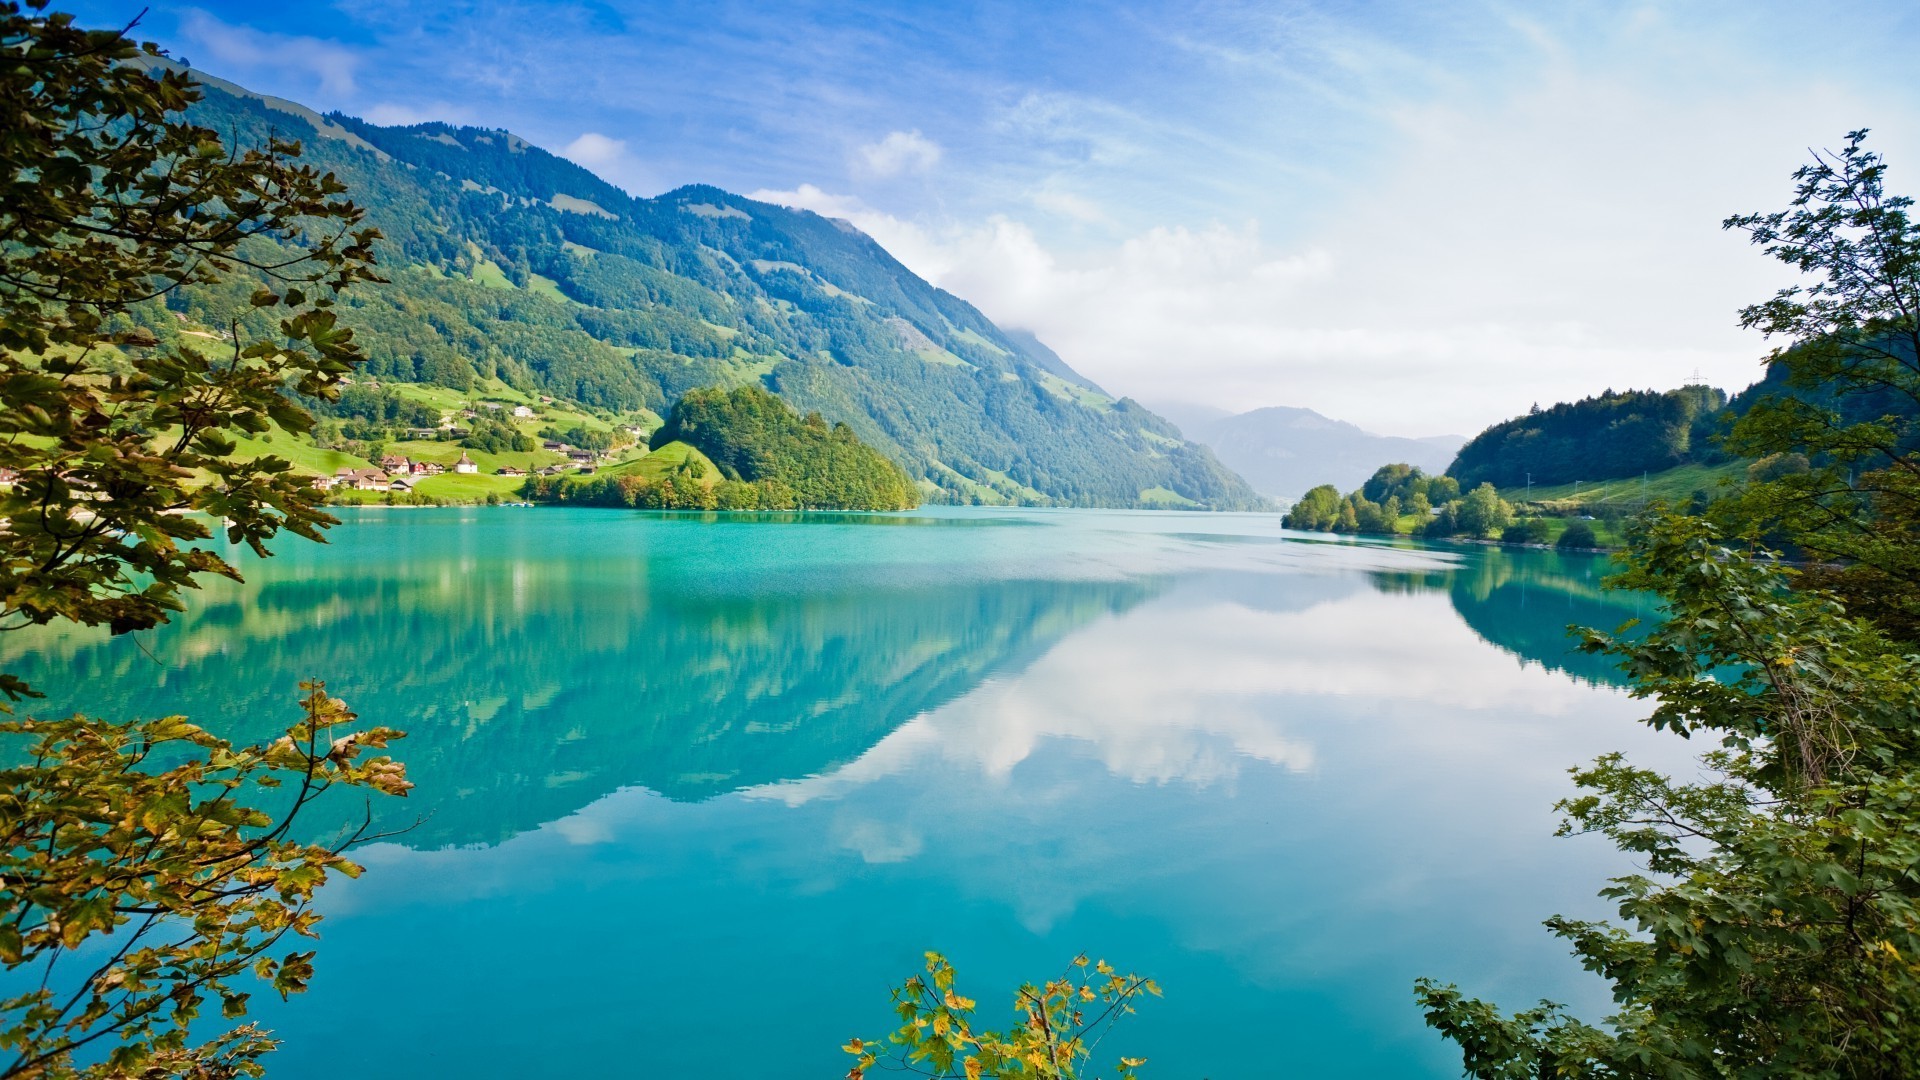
x: 1284, y: 450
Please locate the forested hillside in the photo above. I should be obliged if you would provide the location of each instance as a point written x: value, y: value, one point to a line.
x: 1604, y: 437
x: 508, y: 262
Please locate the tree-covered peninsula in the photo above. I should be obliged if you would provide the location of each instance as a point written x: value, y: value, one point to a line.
x: 743, y: 449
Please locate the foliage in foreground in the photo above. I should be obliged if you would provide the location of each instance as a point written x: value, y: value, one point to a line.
x: 1775, y: 932
x: 134, y: 884
x: 1845, y: 390
x: 1059, y: 1029
x: 135, y: 891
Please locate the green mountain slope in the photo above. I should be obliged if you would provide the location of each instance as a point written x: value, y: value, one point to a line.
x: 507, y: 262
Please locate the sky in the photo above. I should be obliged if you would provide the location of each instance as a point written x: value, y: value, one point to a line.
x: 1420, y: 216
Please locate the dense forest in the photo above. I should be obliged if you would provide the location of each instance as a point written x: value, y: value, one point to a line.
x: 1614, y: 434
x: 752, y: 435
x: 506, y: 262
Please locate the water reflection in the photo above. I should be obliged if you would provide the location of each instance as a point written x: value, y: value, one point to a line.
x: 1524, y: 600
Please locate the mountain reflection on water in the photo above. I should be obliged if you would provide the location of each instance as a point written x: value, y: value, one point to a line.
x: 1525, y: 600
x: 657, y: 755
x: 534, y: 676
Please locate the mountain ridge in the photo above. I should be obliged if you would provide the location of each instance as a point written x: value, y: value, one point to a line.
x: 509, y: 262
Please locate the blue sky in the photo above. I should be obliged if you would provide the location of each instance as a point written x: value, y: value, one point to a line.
x: 1421, y: 217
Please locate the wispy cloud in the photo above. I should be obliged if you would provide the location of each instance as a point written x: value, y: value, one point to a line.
x: 901, y: 152
x: 240, y: 50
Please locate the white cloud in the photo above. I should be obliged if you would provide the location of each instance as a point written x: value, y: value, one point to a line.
x: 611, y: 160
x: 1068, y: 205
x: 900, y: 153
x: 250, y: 50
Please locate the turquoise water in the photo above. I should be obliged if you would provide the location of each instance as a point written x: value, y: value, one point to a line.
x: 693, y: 793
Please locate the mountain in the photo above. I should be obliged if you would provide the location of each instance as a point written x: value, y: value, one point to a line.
x: 509, y: 264
x: 1284, y: 451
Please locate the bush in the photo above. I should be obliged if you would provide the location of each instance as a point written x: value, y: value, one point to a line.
x: 1578, y: 535
x: 1530, y: 531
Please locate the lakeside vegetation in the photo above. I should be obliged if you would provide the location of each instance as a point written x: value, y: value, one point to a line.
x: 1401, y: 500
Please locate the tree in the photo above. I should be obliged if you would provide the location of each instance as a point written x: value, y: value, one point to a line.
x: 1773, y: 931
x: 111, y: 200
x: 1851, y: 400
x: 1317, y: 510
x: 127, y: 846
x: 1061, y: 1025
x: 1483, y: 512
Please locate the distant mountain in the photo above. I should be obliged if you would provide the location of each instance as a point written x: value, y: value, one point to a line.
x: 1191, y: 418
x: 507, y: 262
x: 1284, y: 451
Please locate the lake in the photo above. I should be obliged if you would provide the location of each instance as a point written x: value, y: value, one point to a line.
x: 694, y: 793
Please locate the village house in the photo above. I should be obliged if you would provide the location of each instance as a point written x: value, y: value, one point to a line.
x: 522, y: 412
x: 362, y: 479
x: 465, y: 464
x: 402, y: 483
x: 394, y: 463
x: 508, y: 470
x: 325, y: 483
x: 555, y: 447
